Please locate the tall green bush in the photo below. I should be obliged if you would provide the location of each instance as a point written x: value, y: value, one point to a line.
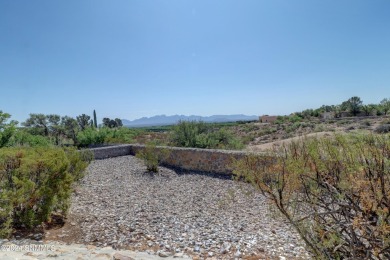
x: 334, y: 191
x: 91, y: 136
x: 24, y: 138
x: 35, y: 182
x: 121, y: 135
x: 202, y: 135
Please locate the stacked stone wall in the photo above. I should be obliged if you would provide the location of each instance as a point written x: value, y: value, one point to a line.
x: 207, y: 160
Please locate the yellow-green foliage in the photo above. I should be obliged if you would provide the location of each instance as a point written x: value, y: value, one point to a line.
x: 199, y: 134
x: 152, y: 156
x: 93, y: 136
x: 35, y: 182
x: 335, y: 191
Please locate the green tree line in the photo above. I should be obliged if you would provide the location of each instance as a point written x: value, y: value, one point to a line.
x: 354, y: 106
x: 52, y: 129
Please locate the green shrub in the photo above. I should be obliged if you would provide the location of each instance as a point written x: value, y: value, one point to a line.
x: 334, y: 191
x: 319, y: 128
x: 383, y: 129
x: 152, y: 156
x: 294, y: 118
x: 121, y: 135
x: 91, y: 136
x: 36, y: 182
x: 24, y: 138
x: 293, y: 127
x: 201, y: 135
x: 268, y: 130
x: 343, y: 122
x: 185, y: 133
x: 281, y: 119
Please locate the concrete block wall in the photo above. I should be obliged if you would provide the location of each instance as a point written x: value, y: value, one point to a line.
x: 208, y: 160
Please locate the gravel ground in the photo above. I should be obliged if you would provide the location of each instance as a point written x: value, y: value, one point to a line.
x: 26, y: 249
x: 120, y: 204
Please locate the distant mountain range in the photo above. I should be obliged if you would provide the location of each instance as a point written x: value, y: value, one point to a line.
x: 171, y: 120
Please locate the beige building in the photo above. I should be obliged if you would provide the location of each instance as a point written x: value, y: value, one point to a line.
x: 268, y: 119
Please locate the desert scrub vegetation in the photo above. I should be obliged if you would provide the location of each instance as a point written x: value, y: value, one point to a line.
x: 335, y: 191
x: 24, y: 138
x: 98, y: 136
x: 385, y: 128
x: 199, y: 134
x: 152, y: 156
x: 36, y: 182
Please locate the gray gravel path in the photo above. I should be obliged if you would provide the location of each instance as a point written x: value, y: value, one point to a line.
x: 121, y: 205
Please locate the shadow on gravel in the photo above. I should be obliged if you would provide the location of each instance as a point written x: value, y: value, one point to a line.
x: 181, y: 171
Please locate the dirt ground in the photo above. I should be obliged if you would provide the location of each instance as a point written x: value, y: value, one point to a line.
x: 270, y: 145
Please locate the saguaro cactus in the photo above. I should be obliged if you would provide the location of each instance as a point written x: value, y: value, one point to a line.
x: 94, y: 118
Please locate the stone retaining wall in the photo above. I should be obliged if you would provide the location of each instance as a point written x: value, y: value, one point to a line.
x: 208, y: 160
x: 111, y: 151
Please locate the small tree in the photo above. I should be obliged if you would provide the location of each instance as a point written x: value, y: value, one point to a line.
x: 83, y: 121
x: 6, y: 129
x: 368, y: 109
x: 385, y: 104
x: 118, y: 122
x: 112, y: 123
x: 55, y: 128
x: 71, y: 128
x: 106, y: 122
x: 354, y: 105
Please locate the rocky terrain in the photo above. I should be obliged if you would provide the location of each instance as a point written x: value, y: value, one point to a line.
x: 28, y: 249
x: 118, y: 204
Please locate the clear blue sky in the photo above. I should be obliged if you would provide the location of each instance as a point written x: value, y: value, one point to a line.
x: 131, y: 58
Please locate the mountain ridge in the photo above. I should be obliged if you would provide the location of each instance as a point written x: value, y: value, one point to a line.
x: 160, y: 120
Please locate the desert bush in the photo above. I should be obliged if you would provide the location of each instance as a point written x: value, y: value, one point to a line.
x: 293, y: 127
x: 91, y: 136
x: 121, y: 135
x: 383, y: 129
x: 7, y: 129
x: 185, y: 133
x: 268, y: 130
x: 281, y: 120
x: 201, y: 135
x: 24, y: 138
x: 248, y: 138
x: 250, y: 127
x: 334, y: 191
x: 36, y: 182
x: 343, y: 122
x: 385, y: 122
x: 294, y: 118
x: 221, y: 139
x: 319, y: 128
x: 152, y: 156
